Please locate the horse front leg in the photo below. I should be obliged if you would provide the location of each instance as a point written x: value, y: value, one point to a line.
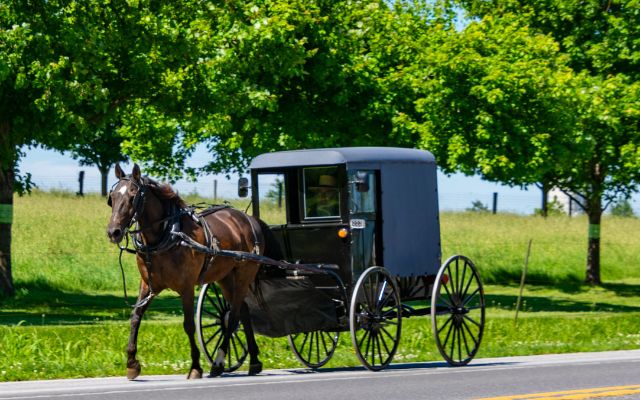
x: 133, y: 365
x: 190, y: 329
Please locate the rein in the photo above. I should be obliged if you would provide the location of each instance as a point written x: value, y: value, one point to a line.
x: 172, y: 236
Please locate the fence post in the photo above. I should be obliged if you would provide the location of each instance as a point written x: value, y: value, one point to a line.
x: 81, y: 181
x: 279, y: 194
x: 495, y: 202
x: 570, y: 206
x: 215, y: 190
x: 524, y: 275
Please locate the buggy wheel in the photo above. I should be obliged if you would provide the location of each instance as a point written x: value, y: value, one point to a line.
x: 457, y: 310
x: 211, y: 324
x: 314, y: 349
x: 375, y: 318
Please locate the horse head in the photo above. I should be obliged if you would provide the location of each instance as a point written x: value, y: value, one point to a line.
x: 126, y: 200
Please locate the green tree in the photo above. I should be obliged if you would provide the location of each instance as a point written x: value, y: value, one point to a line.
x: 295, y: 74
x: 103, y: 152
x: 622, y: 208
x: 22, y: 121
x: 242, y: 77
x: 69, y: 69
x: 539, y: 92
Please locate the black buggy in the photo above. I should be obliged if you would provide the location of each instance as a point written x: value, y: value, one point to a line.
x: 359, y: 235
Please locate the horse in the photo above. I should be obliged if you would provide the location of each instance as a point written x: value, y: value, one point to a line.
x: 164, y: 228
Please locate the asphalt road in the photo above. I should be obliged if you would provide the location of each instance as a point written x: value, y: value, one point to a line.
x: 566, y: 376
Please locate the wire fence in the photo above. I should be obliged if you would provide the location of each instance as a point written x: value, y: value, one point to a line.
x: 452, y: 197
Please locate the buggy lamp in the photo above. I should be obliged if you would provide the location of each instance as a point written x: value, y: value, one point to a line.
x: 444, y: 279
x: 343, y: 233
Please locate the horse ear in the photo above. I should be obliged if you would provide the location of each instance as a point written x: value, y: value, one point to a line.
x: 135, y: 174
x: 119, y: 172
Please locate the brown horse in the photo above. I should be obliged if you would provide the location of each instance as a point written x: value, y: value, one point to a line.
x: 166, y: 261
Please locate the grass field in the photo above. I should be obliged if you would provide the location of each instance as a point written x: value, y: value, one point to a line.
x: 68, y: 318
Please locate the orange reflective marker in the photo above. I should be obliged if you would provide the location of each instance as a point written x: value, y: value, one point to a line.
x: 343, y: 233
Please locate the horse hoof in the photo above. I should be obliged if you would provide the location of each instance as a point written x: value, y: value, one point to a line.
x: 255, y: 369
x: 195, y: 374
x: 133, y: 373
x: 216, y: 371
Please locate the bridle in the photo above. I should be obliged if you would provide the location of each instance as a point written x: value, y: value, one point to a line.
x: 138, y: 201
x: 138, y: 204
x: 172, y: 234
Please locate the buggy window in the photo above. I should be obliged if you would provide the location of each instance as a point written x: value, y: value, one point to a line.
x: 363, y: 202
x: 321, y: 192
x: 273, y: 207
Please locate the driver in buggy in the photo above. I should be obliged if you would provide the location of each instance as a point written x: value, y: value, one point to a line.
x: 324, y: 199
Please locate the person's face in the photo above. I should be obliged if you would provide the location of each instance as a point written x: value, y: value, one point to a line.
x: 326, y: 194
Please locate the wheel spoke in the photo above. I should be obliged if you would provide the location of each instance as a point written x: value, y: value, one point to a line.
x: 467, y: 317
x: 386, y: 332
x: 379, y: 349
x: 213, y: 314
x: 463, y: 294
x: 462, y: 280
x: 318, y: 334
x: 447, y: 322
x: 446, y: 339
x: 459, y: 330
x: 304, y: 341
x: 445, y: 284
x: 216, y: 333
x: 369, y: 338
x: 310, y: 345
x: 385, y: 300
x: 457, y: 285
x: 384, y: 343
x: 364, y: 336
x: 324, y: 342
x: 241, y: 341
x: 474, y: 331
x: 453, y: 341
x: 473, y: 295
x: 471, y: 334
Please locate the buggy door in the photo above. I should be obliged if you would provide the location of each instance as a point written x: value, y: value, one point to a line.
x: 364, y: 220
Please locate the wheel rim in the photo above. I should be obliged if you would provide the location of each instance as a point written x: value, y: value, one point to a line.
x: 211, y: 316
x: 314, y: 349
x: 457, y: 311
x: 375, y: 318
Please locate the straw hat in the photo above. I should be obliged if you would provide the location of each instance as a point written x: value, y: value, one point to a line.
x: 325, y: 181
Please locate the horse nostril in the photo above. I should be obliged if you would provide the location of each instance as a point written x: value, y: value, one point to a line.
x: 115, y: 234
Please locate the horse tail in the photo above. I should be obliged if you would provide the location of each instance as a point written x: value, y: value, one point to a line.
x: 271, y: 245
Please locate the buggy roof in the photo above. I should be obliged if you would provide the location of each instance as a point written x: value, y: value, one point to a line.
x: 343, y: 155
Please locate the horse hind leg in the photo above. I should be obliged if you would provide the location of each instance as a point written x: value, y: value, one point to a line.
x: 255, y: 365
x: 229, y: 323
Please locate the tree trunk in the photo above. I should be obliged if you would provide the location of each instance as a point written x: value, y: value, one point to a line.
x: 104, y: 174
x: 593, y: 252
x: 545, y: 199
x: 6, y: 219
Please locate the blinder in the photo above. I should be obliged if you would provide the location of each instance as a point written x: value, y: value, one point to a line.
x: 138, y: 199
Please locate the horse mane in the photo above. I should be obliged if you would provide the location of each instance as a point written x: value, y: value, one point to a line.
x: 164, y: 191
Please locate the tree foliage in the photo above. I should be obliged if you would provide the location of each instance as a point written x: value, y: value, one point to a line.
x: 292, y: 74
x: 239, y: 77
x: 542, y: 91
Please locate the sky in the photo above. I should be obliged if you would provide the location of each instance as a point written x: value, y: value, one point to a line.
x: 52, y: 170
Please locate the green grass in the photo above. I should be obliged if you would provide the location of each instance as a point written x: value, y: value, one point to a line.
x: 68, y: 318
